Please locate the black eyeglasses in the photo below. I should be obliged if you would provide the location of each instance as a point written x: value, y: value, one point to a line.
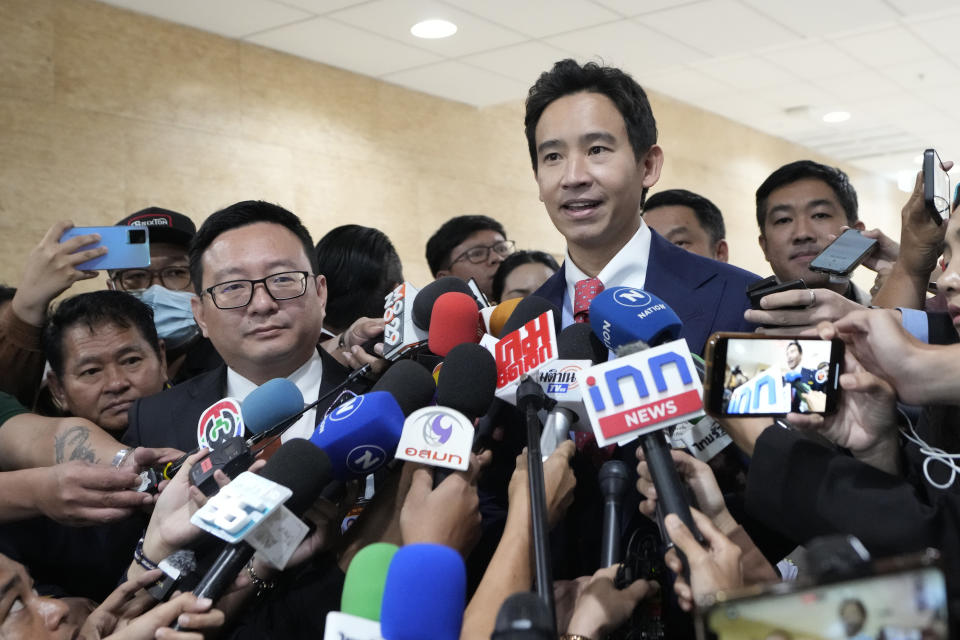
x: 476, y: 255
x: 175, y: 278
x: 234, y: 294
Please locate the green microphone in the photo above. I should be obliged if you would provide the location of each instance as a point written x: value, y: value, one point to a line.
x: 366, y: 576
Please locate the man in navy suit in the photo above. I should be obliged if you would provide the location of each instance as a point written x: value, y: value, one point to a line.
x: 592, y: 140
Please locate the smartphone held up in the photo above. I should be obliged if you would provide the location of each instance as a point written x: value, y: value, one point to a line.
x: 750, y: 374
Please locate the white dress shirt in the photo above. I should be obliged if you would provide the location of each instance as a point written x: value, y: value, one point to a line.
x: 307, y: 378
x: 628, y: 268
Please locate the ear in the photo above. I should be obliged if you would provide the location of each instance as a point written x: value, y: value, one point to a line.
x: 322, y: 291
x: 196, y: 305
x: 722, y: 251
x: 56, y: 389
x: 859, y: 226
x: 763, y: 246
x: 652, y: 163
x: 443, y: 273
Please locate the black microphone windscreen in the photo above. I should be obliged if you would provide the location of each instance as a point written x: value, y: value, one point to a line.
x: 579, y: 342
x: 528, y: 309
x: 468, y: 380
x: 302, y: 468
x: 523, y: 616
x: 410, y: 384
x: 423, y: 303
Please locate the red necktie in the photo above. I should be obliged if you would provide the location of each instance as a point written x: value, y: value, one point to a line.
x: 583, y: 294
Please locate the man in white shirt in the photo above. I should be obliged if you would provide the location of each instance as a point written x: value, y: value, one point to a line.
x: 261, y: 302
x: 592, y: 140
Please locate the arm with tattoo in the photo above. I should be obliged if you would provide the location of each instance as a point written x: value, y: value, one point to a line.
x: 28, y: 440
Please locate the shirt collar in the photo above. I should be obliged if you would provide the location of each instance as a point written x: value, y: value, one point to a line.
x: 307, y: 378
x: 628, y: 268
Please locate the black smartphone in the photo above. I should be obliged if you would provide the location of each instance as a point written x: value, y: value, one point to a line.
x: 769, y: 285
x: 750, y: 374
x: 936, y: 187
x: 844, y: 254
x: 900, y: 598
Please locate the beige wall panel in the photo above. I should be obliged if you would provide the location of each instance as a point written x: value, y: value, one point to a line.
x: 103, y: 112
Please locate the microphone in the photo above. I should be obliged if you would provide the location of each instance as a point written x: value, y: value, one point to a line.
x: 529, y: 342
x: 297, y: 465
x: 578, y: 349
x: 523, y: 616
x: 400, y: 333
x: 361, y: 434
x: 614, y: 479
x: 365, y: 580
x: 444, y: 435
x: 665, y: 389
x: 427, y: 297
x: 424, y: 595
x: 454, y: 320
x: 270, y: 403
x: 498, y: 316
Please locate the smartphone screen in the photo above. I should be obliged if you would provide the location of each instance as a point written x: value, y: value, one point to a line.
x: 936, y: 187
x: 905, y: 605
x: 750, y: 374
x: 843, y: 254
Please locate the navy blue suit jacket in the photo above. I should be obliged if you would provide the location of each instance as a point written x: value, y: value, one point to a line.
x: 707, y: 295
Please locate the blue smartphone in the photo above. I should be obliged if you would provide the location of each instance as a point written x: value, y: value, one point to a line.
x: 127, y: 247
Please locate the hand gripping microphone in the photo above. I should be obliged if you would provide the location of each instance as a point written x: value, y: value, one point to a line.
x: 630, y: 320
x: 424, y: 595
x: 614, y: 479
x: 297, y: 465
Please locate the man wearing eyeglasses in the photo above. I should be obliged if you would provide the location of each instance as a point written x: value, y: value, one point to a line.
x: 260, y: 301
x: 469, y: 247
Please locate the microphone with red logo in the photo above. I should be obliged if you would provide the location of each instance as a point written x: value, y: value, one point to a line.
x: 652, y: 385
x: 401, y: 334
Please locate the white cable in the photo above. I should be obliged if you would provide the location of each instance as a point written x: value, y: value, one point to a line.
x: 933, y: 454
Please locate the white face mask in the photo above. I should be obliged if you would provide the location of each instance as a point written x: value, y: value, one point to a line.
x: 172, y: 314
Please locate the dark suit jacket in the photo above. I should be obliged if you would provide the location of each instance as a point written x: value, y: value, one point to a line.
x: 707, y: 295
x: 169, y: 418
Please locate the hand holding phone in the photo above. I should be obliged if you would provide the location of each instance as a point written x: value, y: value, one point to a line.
x: 844, y: 254
x: 749, y: 374
x: 936, y: 187
x: 127, y: 247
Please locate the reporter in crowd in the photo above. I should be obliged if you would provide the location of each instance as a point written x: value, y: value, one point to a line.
x: 469, y: 247
x: 688, y: 220
x: 522, y: 273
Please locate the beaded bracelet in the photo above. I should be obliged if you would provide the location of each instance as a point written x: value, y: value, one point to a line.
x: 141, y: 559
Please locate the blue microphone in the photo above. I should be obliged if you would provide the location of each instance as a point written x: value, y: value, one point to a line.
x: 621, y: 315
x: 360, y: 435
x: 424, y: 595
x: 270, y: 403
x: 628, y: 320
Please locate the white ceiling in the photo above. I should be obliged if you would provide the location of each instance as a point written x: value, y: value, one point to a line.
x: 774, y: 65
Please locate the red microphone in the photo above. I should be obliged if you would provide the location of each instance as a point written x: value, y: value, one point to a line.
x: 454, y: 320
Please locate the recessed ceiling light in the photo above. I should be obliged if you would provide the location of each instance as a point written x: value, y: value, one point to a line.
x: 836, y: 116
x: 433, y: 29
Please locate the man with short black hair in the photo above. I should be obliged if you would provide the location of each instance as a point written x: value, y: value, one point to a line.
x: 261, y: 302
x: 592, y: 139
x: 104, y: 354
x: 799, y: 206
x: 469, y: 247
x: 689, y: 221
